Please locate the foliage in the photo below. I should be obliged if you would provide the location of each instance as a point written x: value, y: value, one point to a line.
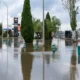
x: 55, y: 22
x: 48, y: 16
x: 0, y: 28
x: 70, y: 5
x: 10, y: 33
x: 37, y: 24
x: 27, y: 30
x: 51, y: 25
x: 47, y: 26
x: 5, y: 34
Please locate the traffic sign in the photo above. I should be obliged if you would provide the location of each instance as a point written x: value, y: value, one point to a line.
x: 15, y: 20
x: 16, y: 27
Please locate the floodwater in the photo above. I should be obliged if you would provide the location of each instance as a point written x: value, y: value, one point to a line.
x: 38, y: 63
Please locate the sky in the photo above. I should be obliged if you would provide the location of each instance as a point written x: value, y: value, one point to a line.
x: 54, y: 7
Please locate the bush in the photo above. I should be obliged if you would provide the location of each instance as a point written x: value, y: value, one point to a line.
x: 10, y: 33
x: 5, y: 34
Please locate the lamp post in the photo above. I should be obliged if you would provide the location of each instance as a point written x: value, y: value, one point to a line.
x: 7, y: 15
x: 43, y: 41
x: 43, y: 26
x: 7, y: 30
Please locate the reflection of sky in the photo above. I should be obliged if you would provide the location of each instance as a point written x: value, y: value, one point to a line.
x: 57, y: 69
x: 8, y: 63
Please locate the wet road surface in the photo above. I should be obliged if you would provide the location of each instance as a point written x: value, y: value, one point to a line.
x: 15, y: 64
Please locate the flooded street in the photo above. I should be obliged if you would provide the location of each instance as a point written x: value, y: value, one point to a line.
x: 15, y: 64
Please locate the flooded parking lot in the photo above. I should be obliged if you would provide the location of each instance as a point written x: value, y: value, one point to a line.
x: 15, y: 64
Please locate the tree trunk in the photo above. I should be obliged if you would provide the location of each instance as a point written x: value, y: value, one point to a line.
x: 29, y: 47
x: 74, y: 35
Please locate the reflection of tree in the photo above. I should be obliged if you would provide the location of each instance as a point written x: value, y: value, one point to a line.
x: 26, y: 61
x: 5, y: 41
x: 73, y: 64
x: 47, y: 58
x: 10, y: 42
x: 0, y: 43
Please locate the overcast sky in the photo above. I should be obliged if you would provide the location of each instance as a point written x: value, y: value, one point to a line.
x: 54, y: 7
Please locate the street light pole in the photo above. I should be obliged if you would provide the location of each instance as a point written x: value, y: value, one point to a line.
x: 7, y: 31
x: 43, y: 41
x: 43, y: 26
x: 7, y: 15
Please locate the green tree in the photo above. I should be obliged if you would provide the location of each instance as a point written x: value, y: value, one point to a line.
x: 55, y: 22
x: 10, y: 33
x: 37, y: 24
x: 5, y: 34
x: 70, y: 5
x: 47, y: 26
x: 51, y: 25
x: 48, y: 16
x: 27, y: 30
x: 0, y: 28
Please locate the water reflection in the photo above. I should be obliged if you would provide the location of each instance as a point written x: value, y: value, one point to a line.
x: 5, y: 41
x: 47, y: 57
x: 0, y: 43
x: 68, y: 43
x: 16, y: 47
x: 78, y: 59
x: 16, y: 43
x: 73, y: 68
x: 15, y: 53
x: 9, y: 42
x: 26, y: 62
x: 56, y: 56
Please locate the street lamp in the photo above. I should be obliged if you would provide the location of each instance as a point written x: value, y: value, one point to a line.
x: 43, y: 26
x: 7, y: 30
x: 7, y: 15
x: 43, y: 39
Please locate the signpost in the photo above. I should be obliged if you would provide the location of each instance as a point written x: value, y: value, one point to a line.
x: 15, y: 27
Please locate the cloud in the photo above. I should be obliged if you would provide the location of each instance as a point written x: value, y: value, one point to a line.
x: 53, y: 6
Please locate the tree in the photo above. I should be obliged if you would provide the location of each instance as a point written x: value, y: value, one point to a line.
x: 27, y: 30
x: 47, y: 25
x: 70, y: 5
x: 5, y: 34
x: 49, y: 28
x: 55, y: 23
x: 0, y: 28
x: 51, y: 25
x: 37, y: 24
x: 48, y: 16
x: 10, y: 33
